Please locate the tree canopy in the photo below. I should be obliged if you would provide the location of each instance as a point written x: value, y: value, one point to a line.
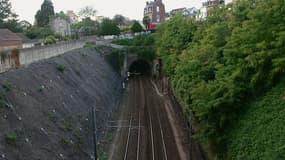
x: 146, y: 21
x: 5, y: 10
x: 108, y: 27
x: 136, y: 27
x: 219, y: 63
x: 43, y: 15
x: 87, y: 12
x: 119, y: 19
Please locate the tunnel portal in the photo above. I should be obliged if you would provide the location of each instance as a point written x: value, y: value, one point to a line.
x: 140, y: 67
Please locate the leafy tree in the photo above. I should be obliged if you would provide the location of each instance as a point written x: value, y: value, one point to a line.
x: 108, y: 27
x: 8, y: 19
x: 62, y: 15
x: 12, y: 24
x: 87, y: 11
x: 146, y: 21
x: 119, y: 19
x: 38, y: 32
x: 44, y: 14
x: 87, y: 26
x: 5, y: 10
x: 136, y: 27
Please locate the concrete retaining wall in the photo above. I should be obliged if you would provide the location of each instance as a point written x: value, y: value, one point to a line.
x: 13, y: 59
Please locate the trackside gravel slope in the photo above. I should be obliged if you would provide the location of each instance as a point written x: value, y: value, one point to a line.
x: 45, y: 108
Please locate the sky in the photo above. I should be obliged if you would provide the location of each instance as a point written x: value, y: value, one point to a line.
x: 133, y: 9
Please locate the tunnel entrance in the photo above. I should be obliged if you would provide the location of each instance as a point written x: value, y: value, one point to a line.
x: 140, y: 67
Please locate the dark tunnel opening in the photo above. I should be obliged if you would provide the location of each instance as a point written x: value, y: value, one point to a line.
x: 139, y: 67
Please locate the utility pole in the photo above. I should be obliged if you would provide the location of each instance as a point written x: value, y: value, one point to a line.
x: 94, y: 134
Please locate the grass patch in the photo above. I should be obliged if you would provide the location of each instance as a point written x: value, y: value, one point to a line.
x: 7, y: 86
x: 64, y: 142
x: 67, y: 125
x: 52, y: 117
x: 11, y: 138
x: 102, y: 155
x: 89, y: 45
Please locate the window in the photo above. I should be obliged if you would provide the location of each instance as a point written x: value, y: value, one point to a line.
x: 157, y: 18
x: 157, y: 9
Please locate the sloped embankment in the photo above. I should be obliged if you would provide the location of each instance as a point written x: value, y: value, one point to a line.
x: 259, y: 133
x: 45, y: 108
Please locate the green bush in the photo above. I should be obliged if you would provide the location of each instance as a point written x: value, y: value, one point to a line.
x: 11, y: 138
x: 7, y: 86
x: 136, y: 27
x: 50, y: 40
x: 60, y: 67
x: 38, y: 32
x: 141, y: 40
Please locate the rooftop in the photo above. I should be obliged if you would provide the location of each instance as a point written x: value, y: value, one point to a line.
x: 7, y: 35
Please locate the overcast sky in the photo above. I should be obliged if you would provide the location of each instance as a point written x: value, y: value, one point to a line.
x: 26, y: 9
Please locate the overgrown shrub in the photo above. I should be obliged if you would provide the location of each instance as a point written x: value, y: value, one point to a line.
x: 7, y: 86
x: 60, y: 67
x: 50, y: 40
x: 141, y: 40
x: 218, y: 64
x: 116, y: 59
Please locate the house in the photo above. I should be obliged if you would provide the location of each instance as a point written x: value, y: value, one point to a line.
x: 9, y: 40
x: 184, y: 11
x: 61, y: 26
x: 155, y: 10
x: 206, y: 6
x: 72, y: 16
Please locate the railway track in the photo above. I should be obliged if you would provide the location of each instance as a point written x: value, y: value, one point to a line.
x: 134, y: 131
x: 146, y: 134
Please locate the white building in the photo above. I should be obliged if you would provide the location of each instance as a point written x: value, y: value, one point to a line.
x: 61, y: 26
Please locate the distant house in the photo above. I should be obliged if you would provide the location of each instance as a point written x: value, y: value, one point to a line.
x: 61, y: 26
x: 9, y: 40
x: 206, y: 6
x: 155, y: 10
x: 184, y: 11
x: 72, y: 16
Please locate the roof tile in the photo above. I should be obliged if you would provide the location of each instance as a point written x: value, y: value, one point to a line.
x: 7, y: 35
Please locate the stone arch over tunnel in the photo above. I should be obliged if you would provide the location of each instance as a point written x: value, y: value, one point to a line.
x: 140, y: 66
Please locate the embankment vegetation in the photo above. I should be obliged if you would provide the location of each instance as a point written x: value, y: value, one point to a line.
x: 142, y: 45
x: 220, y: 64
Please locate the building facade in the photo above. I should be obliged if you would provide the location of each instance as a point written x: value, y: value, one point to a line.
x: 211, y: 3
x: 72, y: 16
x: 155, y: 10
x: 9, y: 40
x: 207, y: 5
x: 184, y: 11
x: 61, y: 26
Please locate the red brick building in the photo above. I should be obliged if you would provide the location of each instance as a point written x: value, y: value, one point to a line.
x: 155, y: 10
x: 9, y: 40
